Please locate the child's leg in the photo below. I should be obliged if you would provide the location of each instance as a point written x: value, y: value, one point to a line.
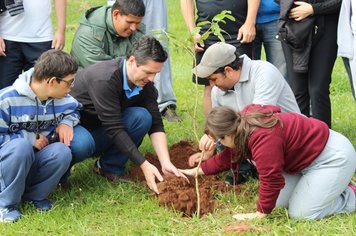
x: 323, y: 189
x: 50, y: 164
x: 285, y: 194
x: 16, y: 158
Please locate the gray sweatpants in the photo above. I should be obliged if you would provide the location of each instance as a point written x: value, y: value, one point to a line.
x: 321, y: 189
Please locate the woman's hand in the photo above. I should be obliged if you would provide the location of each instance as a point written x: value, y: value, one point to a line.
x: 301, y: 11
x: 206, y: 143
x: 195, y: 158
x: 248, y: 216
x: 192, y: 172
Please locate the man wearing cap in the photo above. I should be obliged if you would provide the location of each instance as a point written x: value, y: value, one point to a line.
x: 239, y: 81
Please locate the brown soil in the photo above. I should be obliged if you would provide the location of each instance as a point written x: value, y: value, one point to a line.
x: 176, y: 192
x: 241, y: 227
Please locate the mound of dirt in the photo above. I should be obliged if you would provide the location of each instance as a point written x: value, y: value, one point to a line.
x: 176, y: 192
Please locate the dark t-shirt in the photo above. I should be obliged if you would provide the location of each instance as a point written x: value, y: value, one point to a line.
x: 207, y: 9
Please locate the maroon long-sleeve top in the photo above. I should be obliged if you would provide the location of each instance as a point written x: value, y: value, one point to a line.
x: 288, y: 148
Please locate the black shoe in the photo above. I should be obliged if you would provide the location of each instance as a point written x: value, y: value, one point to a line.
x: 246, y: 171
x: 111, y: 177
x: 64, y: 185
x: 169, y: 113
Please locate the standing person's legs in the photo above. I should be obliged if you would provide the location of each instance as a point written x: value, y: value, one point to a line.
x: 164, y: 84
x: 351, y: 74
x: 299, y: 82
x: 320, y: 70
x: 49, y: 166
x: 323, y: 188
x: 11, y: 66
x: 32, y: 51
x: 243, y: 48
x: 167, y: 102
x: 137, y: 122
x: 257, y: 43
x: 350, y: 66
x: 273, y: 47
x: 156, y: 19
x: 207, y: 105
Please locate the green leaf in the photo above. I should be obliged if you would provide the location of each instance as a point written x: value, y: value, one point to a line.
x: 230, y: 17
x: 195, y: 31
x: 222, y: 39
x: 202, y: 23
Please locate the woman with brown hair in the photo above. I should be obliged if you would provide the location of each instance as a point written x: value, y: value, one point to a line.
x: 302, y: 165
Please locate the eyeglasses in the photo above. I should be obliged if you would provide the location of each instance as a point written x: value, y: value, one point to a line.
x: 69, y: 83
x: 217, y: 142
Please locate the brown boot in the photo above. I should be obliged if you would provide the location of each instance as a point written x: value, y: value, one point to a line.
x: 111, y: 177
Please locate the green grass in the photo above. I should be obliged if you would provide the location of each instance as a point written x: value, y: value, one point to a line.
x: 96, y: 207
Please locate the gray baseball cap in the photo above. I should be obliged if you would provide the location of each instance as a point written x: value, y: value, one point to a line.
x: 216, y: 56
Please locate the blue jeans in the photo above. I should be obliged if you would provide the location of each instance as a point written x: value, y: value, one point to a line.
x: 82, y: 147
x: 29, y: 174
x: 266, y: 35
x: 137, y: 122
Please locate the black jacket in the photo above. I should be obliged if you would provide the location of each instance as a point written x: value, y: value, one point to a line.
x: 301, y: 35
x: 99, y: 88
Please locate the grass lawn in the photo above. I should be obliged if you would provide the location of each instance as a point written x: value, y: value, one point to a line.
x: 97, y: 207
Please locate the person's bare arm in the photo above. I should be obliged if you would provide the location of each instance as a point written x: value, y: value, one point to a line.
x: 159, y: 143
x: 247, y: 31
x: 188, y: 11
x: 2, y: 48
x: 59, y: 36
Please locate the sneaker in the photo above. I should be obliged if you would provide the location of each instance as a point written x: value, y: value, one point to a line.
x: 169, y: 113
x: 9, y: 214
x: 109, y: 176
x: 42, y: 205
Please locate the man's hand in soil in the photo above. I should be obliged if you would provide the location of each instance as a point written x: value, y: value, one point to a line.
x: 151, y: 173
x: 169, y: 169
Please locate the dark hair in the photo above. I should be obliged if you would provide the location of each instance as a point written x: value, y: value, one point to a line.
x: 129, y: 7
x: 223, y: 121
x: 147, y: 48
x: 54, y: 63
x: 236, y: 64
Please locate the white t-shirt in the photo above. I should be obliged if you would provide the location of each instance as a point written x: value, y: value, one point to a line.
x: 33, y: 25
x: 353, y: 16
